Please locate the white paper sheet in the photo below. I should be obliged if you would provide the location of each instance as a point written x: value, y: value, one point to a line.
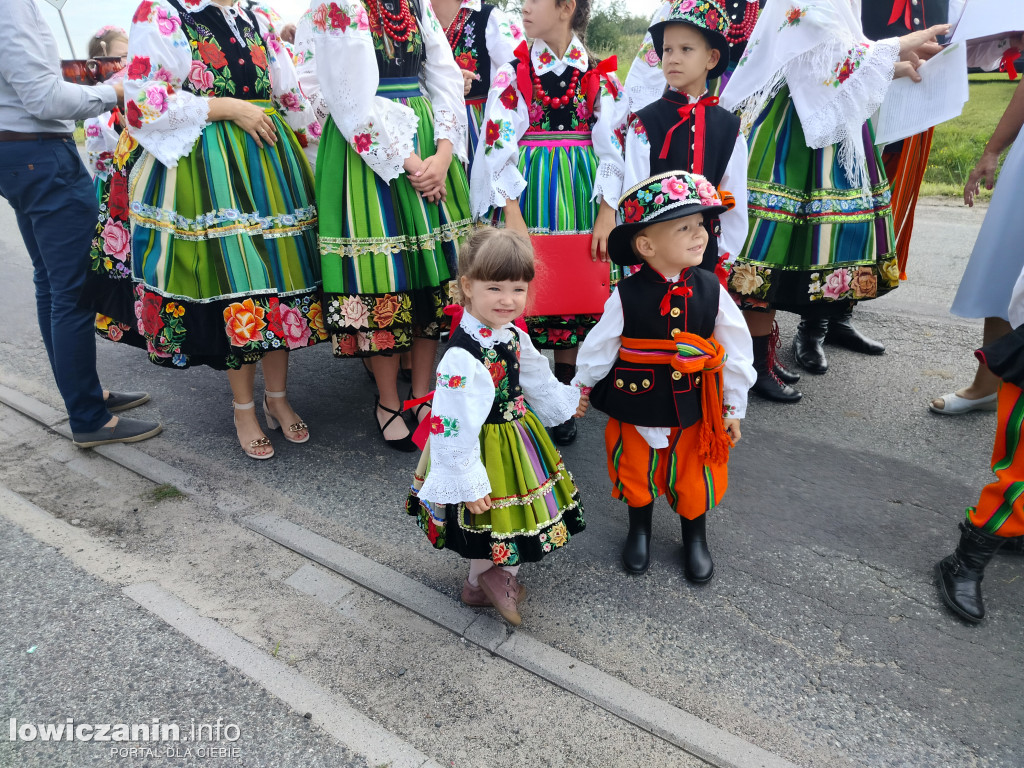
x: 985, y: 18
x: 910, y: 108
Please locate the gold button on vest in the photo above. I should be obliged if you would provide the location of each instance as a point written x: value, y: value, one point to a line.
x: 676, y: 375
x: 675, y: 312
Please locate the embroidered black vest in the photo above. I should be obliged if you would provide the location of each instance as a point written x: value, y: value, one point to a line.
x: 502, y: 361
x: 574, y: 116
x: 235, y: 60
x: 875, y: 15
x: 656, y: 395
x: 721, y: 128
x: 394, y: 57
x: 470, y: 50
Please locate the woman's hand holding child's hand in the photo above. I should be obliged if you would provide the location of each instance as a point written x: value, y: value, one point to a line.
x: 479, y: 506
x: 732, y: 428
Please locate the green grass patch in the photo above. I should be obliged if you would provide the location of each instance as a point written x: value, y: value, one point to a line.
x: 165, y: 491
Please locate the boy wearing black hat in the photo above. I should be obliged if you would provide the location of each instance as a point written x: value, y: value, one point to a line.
x: 670, y: 363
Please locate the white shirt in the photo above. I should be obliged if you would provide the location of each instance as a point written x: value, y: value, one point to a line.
x: 600, y: 350
x: 34, y: 98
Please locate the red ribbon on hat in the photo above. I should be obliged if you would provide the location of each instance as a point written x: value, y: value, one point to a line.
x: 901, y: 8
x: 1008, y: 61
x: 591, y: 82
x: 696, y: 108
x: 523, y: 79
x: 676, y: 290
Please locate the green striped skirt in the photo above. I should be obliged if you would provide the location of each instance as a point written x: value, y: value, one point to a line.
x: 387, y: 254
x: 813, y: 237
x: 560, y: 170
x: 224, y: 253
x: 535, y: 506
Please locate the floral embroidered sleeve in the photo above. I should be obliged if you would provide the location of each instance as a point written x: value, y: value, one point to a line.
x: 738, y: 376
x: 164, y: 118
x: 284, y: 80
x: 463, y: 397
x: 382, y: 131
x: 502, y: 38
x: 496, y: 177
x: 552, y: 401
x: 100, y: 141
x: 304, y: 58
x: 646, y: 82
x: 638, y: 153
x: 444, y: 84
x: 612, y: 112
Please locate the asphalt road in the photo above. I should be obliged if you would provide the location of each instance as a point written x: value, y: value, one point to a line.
x: 821, y: 637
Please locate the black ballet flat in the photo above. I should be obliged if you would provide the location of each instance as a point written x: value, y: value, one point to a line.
x: 403, y: 444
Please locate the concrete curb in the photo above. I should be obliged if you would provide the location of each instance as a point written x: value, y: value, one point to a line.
x: 123, y: 454
x: 688, y: 732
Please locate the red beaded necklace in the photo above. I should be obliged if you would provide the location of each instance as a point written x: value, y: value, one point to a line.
x: 400, y: 26
x: 454, y: 31
x: 740, y: 33
x: 558, y: 101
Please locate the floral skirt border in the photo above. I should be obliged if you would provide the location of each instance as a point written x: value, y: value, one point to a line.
x: 507, y: 550
x: 362, y: 325
x: 759, y: 286
x: 560, y: 331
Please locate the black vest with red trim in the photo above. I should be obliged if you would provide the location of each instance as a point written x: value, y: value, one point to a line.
x: 921, y: 14
x: 649, y: 395
x: 721, y: 128
x: 470, y: 50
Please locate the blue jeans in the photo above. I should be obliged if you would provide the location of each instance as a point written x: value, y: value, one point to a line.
x: 55, y: 203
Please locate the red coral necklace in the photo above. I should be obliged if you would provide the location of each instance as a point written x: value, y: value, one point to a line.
x: 740, y: 33
x: 558, y: 101
x: 400, y: 26
x: 454, y: 31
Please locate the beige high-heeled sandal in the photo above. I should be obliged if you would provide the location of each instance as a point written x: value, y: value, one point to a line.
x: 263, y: 442
x: 273, y: 423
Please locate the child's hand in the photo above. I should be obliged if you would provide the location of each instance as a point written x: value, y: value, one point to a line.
x: 514, y: 221
x: 479, y: 506
x: 732, y: 428
x: 581, y: 409
x: 603, y: 227
x: 468, y: 78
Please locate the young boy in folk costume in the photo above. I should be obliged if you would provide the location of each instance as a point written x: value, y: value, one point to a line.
x: 482, y: 39
x: 551, y: 162
x: 670, y: 363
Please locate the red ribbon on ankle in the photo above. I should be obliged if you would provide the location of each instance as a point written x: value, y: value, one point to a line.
x: 419, y: 437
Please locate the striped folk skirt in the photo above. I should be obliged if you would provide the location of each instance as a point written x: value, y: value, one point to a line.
x: 814, y: 237
x: 560, y: 170
x: 224, y: 254
x: 387, y: 254
x: 535, y: 506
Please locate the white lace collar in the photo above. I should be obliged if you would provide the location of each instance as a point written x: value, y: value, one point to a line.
x: 544, y: 59
x: 486, y: 335
x: 472, y: 5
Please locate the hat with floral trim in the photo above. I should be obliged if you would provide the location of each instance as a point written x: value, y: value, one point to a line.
x: 709, y: 16
x: 660, y: 198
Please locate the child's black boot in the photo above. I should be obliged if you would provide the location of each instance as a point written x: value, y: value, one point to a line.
x: 960, y: 574
x: 636, y: 554
x: 697, y: 562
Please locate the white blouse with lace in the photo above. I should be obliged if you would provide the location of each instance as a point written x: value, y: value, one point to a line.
x: 600, y: 350
x: 463, y: 399
x: 382, y: 130
x: 496, y: 176
x: 165, y: 118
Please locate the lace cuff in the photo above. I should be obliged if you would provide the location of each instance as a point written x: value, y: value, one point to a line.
x: 507, y: 184
x: 399, y: 129
x: 555, y: 404
x: 608, y: 184
x: 448, y: 488
x: 176, y: 135
x: 447, y: 125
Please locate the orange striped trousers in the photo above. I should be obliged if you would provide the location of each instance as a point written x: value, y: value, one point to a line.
x: 640, y: 474
x: 1000, y: 509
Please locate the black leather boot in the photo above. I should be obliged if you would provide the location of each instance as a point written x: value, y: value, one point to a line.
x: 842, y: 333
x: 807, y: 344
x: 783, y: 373
x: 768, y: 384
x: 636, y: 553
x: 1013, y: 546
x: 961, y: 573
x: 697, y: 563
x: 564, y: 433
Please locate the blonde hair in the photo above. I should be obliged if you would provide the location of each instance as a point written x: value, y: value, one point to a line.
x: 99, y: 44
x: 494, y: 256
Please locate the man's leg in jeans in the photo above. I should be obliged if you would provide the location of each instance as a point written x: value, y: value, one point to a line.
x: 56, y: 209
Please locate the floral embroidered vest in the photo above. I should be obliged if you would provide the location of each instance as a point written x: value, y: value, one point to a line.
x: 470, y: 48
x: 502, y: 361
x: 226, y: 61
x: 652, y: 395
x: 577, y: 115
x: 396, y: 58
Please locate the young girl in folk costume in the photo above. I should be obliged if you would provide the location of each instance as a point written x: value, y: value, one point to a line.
x: 482, y: 39
x: 393, y: 205
x: 102, y: 132
x: 552, y: 157
x: 490, y: 485
x: 223, y: 223
x: 821, y: 235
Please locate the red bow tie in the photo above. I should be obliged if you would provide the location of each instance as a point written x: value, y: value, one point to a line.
x: 677, y: 289
x: 697, y: 109
x: 901, y: 8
